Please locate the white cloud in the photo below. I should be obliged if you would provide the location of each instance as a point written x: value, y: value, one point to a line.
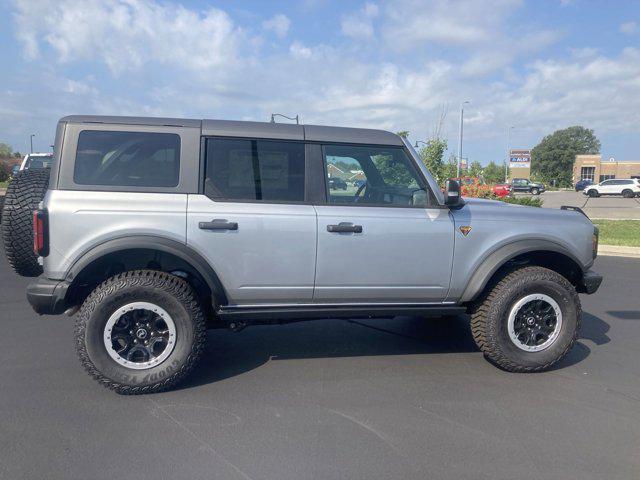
x: 629, y: 28
x: 360, y: 23
x: 126, y: 34
x: 465, y: 22
x: 298, y: 50
x: 278, y: 24
x: 168, y: 60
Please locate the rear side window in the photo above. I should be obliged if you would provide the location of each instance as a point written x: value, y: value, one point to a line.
x: 254, y: 170
x: 129, y: 159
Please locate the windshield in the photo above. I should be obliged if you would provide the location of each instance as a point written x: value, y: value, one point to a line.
x: 40, y: 161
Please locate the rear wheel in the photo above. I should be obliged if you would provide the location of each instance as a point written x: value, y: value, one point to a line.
x: 140, y: 332
x: 627, y: 193
x: 24, y: 193
x: 528, y: 321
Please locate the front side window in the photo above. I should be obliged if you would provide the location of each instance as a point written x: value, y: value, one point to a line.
x: 130, y: 159
x: 373, y: 176
x: 254, y: 170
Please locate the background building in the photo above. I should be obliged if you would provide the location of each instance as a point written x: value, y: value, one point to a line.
x: 519, y: 164
x: 594, y: 168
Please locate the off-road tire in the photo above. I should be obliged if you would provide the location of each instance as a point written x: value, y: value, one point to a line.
x: 24, y: 193
x: 490, y: 314
x: 593, y: 193
x: 628, y: 193
x: 535, y: 191
x: 169, y: 292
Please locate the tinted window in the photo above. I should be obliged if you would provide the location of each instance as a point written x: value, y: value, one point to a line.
x: 38, y: 162
x: 254, y: 170
x: 372, y: 175
x: 127, y: 159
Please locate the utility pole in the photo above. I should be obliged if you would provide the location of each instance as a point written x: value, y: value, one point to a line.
x: 460, y: 139
x: 506, y: 165
x: 31, y: 141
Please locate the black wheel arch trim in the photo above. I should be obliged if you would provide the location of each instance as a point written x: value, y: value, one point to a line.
x: 150, y: 242
x: 499, y: 257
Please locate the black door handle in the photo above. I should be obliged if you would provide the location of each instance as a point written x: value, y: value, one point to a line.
x: 218, y: 224
x: 344, y: 227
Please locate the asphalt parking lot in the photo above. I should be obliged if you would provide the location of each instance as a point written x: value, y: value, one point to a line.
x: 614, y: 207
x: 379, y: 399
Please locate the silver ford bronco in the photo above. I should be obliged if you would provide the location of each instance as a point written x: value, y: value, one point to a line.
x: 155, y: 229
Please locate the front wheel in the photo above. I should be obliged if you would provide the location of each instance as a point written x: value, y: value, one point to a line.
x: 535, y: 191
x: 140, y: 332
x: 593, y: 193
x: 528, y: 321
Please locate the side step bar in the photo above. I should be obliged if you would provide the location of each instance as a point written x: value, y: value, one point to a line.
x: 293, y: 313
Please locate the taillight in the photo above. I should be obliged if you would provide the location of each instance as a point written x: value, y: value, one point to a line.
x: 41, y: 233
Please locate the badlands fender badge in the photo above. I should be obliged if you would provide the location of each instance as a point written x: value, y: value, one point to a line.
x: 465, y: 229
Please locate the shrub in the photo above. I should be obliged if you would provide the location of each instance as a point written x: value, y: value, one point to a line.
x: 4, y: 172
x: 527, y: 201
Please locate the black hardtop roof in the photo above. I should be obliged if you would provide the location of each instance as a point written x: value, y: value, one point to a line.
x: 236, y: 128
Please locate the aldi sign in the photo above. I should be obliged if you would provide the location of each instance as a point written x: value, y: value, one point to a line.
x: 519, y: 158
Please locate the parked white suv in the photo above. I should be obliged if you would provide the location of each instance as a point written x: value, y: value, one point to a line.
x: 627, y: 187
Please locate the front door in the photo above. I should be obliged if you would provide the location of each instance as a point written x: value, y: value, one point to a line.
x: 252, y: 223
x: 384, y: 239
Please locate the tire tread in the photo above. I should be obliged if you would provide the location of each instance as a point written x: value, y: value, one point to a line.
x: 171, y: 284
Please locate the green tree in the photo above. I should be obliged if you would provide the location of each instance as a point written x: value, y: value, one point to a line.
x: 475, y: 169
x: 552, y: 159
x: 5, y: 150
x: 493, y: 173
x: 403, y: 133
x: 432, y: 156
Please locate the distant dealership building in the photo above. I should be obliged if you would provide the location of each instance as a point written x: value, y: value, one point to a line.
x: 594, y: 168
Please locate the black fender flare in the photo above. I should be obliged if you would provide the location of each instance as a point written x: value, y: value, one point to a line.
x: 151, y: 242
x: 496, y: 259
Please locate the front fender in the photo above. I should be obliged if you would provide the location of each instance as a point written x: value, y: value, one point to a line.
x: 491, y: 262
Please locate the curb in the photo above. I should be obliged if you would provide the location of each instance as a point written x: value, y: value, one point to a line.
x: 618, y: 251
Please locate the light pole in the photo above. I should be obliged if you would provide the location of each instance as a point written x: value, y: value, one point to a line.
x: 506, y: 165
x: 31, y: 141
x: 460, y: 139
x: 274, y: 115
x: 420, y: 141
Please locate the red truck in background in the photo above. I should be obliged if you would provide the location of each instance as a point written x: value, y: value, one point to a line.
x: 477, y: 187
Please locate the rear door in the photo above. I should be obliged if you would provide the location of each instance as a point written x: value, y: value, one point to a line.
x: 386, y: 241
x: 252, y: 221
x: 608, y: 187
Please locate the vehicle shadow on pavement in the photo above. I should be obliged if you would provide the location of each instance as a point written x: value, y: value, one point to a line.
x: 594, y: 329
x: 229, y: 354
x: 625, y: 314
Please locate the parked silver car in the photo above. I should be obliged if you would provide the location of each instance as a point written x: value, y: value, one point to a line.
x: 155, y: 229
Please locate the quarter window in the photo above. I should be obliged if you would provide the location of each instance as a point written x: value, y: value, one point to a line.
x: 139, y: 159
x: 254, y: 170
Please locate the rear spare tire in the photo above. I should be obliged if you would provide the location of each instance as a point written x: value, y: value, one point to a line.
x: 24, y: 193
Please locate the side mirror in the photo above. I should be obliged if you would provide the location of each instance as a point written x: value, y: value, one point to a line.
x: 452, y: 196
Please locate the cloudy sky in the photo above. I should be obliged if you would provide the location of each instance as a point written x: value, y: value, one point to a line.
x: 538, y: 65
